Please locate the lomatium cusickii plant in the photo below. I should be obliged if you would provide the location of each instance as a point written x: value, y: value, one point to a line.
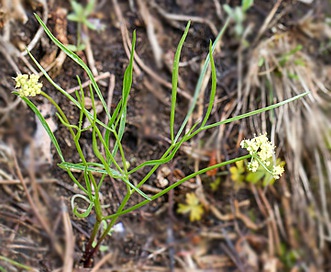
x: 105, y: 163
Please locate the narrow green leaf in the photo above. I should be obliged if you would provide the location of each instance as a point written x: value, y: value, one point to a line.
x: 228, y: 10
x: 89, y: 7
x: 111, y: 124
x: 175, y: 82
x: 84, y: 214
x: 246, y: 4
x: 200, y: 80
x: 88, y: 183
x: 73, y: 17
x: 21, y: 267
x: 45, y: 125
x: 248, y: 114
x: 75, y: 58
x: 90, y: 25
x: 77, y: 8
x: 213, y: 86
x: 127, y: 83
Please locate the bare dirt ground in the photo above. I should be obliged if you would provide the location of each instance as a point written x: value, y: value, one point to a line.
x: 283, y: 50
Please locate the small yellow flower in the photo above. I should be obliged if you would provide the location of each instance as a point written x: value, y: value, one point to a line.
x: 28, y: 86
x: 21, y: 80
x: 262, y: 151
x: 277, y: 171
x: 253, y: 165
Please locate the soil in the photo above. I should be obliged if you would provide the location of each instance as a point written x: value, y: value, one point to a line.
x: 233, y: 233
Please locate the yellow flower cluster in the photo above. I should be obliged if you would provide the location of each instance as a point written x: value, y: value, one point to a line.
x: 28, y: 86
x: 262, y: 151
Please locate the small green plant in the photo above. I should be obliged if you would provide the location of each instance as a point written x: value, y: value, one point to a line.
x: 215, y: 184
x: 238, y: 15
x: 81, y: 15
x: 285, y: 58
x: 106, y: 163
x: 289, y: 257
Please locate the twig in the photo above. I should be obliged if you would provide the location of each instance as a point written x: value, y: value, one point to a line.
x: 102, y: 262
x: 32, y: 204
x: 268, y: 20
x: 26, y: 180
x: 218, y: 8
x: 89, y: 53
x: 39, y: 32
x: 285, y: 200
x: 6, y: 48
x: 28, y: 64
x: 148, y: 19
x: 246, y: 220
x: 219, y: 215
x: 88, y: 82
x: 271, y: 221
x: 178, y: 17
x: 231, y: 252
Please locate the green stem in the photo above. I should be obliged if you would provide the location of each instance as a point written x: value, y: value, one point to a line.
x: 79, y: 30
x: 110, y: 225
x: 202, y: 171
x: 256, y: 157
x: 108, y: 153
x: 98, y: 212
x: 89, y: 249
x: 97, y: 205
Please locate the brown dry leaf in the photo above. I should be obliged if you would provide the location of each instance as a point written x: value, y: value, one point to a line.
x: 214, y: 262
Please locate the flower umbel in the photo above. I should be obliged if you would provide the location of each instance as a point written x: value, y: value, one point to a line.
x: 277, y: 171
x: 28, y: 86
x: 262, y: 151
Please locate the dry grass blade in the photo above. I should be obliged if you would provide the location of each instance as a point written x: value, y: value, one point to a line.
x: 88, y: 82
x: 268, y: 20
x: 40, y: 30
x: 68, y: 261
x: 36, y: 210
x: 104, y: 260
x: 151, y: 32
